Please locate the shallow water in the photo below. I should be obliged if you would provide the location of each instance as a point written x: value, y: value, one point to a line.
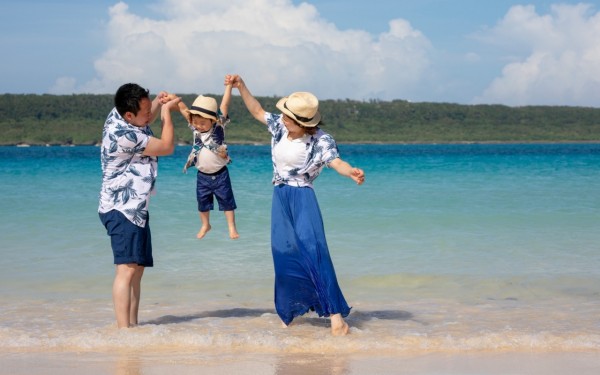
x: 446, y: 248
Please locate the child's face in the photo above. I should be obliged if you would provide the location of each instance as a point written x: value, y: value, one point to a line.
x: 200, y: 123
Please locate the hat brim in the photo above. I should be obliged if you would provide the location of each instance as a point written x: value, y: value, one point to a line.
x: 309, y: 124
x: 201, y: 114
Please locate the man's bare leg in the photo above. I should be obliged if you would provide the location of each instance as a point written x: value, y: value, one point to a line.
x: 136, y: 289
x: 338, y: 326
x: 233, y: 233
x: 205, y: 219
x: 122, y: 285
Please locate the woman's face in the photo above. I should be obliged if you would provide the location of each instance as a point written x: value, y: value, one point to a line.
x: 291, y: 125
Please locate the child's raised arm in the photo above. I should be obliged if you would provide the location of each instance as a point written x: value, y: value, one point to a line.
x: 226, y: 100
x: 181, y: 105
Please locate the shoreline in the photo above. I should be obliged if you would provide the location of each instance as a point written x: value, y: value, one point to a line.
x: 514, y: 142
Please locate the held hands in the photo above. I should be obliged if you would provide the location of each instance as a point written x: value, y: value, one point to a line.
x: 161, y: 97
x: 170, y: 101
x: 234, y: 80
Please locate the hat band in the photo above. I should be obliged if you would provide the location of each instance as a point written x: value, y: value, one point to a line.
x: 200, y: 109
x: 300, y: 118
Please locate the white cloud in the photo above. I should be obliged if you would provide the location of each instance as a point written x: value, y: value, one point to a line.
x: 63, y: 85
x: 278, y: 47
x: 560, y: 57
x: 472, y: 57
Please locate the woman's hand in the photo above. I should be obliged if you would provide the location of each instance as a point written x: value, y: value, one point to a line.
x: 358, y: 175
x: 345, y: 169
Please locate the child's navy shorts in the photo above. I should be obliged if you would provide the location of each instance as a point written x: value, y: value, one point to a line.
x: 210, y: 185
x: 130, y: 243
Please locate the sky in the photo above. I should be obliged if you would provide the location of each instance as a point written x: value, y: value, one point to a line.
x: 516, y: 53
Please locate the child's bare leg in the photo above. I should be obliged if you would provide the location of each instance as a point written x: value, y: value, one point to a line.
x: 205, y: 219
x: 338, y: 326
x: 233, y: 233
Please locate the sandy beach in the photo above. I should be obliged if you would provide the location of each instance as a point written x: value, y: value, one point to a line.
x: 184, y: 363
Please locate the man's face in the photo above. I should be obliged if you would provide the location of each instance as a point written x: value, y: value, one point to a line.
x: 143, y: 116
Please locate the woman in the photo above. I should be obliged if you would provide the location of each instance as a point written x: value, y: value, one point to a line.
x: 304, y: 275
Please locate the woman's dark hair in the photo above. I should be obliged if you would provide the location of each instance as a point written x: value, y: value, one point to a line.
x: 128, y: 97
x: 310, y: 131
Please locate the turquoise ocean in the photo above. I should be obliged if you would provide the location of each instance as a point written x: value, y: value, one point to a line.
x: 445, y: 248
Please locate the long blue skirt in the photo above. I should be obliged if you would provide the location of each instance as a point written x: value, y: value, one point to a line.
x: 304, y: 274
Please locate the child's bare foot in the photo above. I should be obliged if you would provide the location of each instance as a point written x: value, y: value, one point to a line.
x: 338, y: 326
x: 233, y: 233
x: 203, y: 231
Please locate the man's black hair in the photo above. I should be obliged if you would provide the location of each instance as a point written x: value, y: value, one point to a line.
x: 128, y: 97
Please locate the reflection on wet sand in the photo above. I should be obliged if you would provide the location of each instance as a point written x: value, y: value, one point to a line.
x: 128, y: 363
x: 312, y: 364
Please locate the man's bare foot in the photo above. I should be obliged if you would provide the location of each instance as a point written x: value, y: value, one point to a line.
x: 338, y: 326
x: 203, y: 231
x: 233, y: 233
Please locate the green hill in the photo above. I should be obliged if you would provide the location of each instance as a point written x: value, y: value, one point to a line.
x: 78, y: 119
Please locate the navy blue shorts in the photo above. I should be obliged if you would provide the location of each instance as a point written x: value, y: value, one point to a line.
x: 210, y: 185
x: 130, y: 243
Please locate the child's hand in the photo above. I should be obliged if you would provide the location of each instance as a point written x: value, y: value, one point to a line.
x: 222, y: 151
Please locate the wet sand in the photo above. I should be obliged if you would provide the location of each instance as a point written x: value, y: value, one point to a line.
x: 167, y: 362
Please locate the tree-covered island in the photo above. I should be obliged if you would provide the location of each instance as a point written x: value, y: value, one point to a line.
x: 78, y: 119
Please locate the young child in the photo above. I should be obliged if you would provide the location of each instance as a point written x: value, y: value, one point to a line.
x: 209, y: 155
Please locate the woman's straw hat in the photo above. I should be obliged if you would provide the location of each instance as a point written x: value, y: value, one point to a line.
x: 303, y: 107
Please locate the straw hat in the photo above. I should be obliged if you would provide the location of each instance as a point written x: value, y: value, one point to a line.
x: 204, y: 106
x: 303, y: 107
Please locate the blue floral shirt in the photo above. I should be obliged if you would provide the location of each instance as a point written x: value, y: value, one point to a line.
x: 204, y: 152
x: 321, y: 150
x: 128, y: 176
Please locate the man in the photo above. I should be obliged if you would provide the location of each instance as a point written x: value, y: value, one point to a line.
x: 129, y: 168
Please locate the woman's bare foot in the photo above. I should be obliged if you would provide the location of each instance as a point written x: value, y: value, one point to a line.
x: 338, y: 326
x: 203, y: 231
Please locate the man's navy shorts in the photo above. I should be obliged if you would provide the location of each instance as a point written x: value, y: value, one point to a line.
x: 210, y: 185
x: 130, y: 243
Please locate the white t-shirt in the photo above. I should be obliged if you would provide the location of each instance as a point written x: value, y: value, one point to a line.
x: 290, y: 154
x: 204, y: 155
x: 298, y: 162
x: 208, y: 161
